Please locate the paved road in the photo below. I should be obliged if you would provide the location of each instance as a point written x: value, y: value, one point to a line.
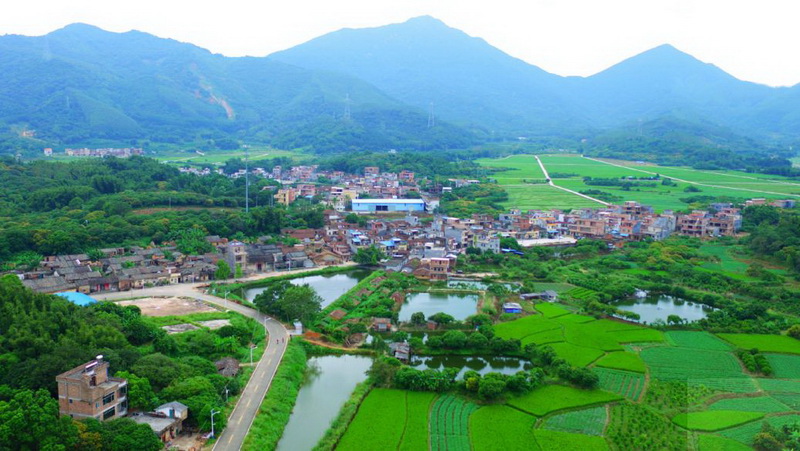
x: 246, y: 409
x: 550, y: 182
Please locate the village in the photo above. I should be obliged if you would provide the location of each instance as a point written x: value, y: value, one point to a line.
x: 396, y: 213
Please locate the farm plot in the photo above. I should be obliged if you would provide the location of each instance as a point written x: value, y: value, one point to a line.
x: 708, y: 442
x: 379, y: 423
x: 784, y: 366
x: 501, y: 428
x: 713, y: 369
x: 622, y: 360
x: 791, y: 400
x: 764, y: 343
x: 389, y: 419
x: 551, y: 398
x: 582, y: 294
x: 765, y: 404
x: 576, y: 338
x: 696, y: 340
x: 747, y: 432
x: 415, y: 434
x: 779, y: 385
x: 715, y: 420
x: 576, y: 355
x: 549, y: 440
x: 587, y: 421
x: 625, y: 383
x: 551, y: 310
x: 449, y: 423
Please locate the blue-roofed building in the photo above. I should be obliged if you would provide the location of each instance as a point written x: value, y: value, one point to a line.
x: 77, y: 298
x: 387, y: 205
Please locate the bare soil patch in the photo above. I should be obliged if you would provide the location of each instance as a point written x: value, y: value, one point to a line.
x: 172, y: 306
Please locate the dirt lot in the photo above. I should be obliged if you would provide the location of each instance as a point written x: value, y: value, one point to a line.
x: 169, y: 306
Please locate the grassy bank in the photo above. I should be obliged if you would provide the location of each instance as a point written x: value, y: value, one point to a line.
x: 346, y: 415
x: 277, y: 406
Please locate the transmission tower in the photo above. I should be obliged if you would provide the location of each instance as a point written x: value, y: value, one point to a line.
x: 431, y: 117
x: 347, y: 107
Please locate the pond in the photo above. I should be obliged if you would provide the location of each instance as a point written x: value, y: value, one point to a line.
x: 458, y: 305
x: 471, y: 284
x: 328, y: 385
x: 652, y: 308
x: 481, y: 364
x: 328, y: 286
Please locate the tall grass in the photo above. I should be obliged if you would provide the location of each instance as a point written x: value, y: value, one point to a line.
x: 274, y: 413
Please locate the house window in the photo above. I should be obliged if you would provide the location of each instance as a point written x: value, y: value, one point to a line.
x: 123, y: 391
x: 108, y: 398
x: 109, y: 413
x: 381, y: 208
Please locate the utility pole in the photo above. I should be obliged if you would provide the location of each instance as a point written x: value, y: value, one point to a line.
x: 247, y: 179
x: 213, y: 412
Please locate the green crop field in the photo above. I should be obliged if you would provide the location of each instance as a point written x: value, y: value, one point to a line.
x: 779, y: 386
x: 389, y: 419
x: 556, y: 440
x: 732, y: 184
x: 220, y: 157
x: 764, y: 343
x: 449, y: 422
x: 622, y: 360
x: 713, y: 369
x: 498, y: 427
x: 587, y: 421
x: 415, y: 434
x: 551, y: 398
x: 746, y: 433
x: 551, y: 310
x: 714, y: 420
x: 555, y: 286
x: 576, y: 355
x: 625, y: 383
x: 784, y: 366
x: 576, y: 338
x: 709, y: 442
x: 582, y: 294
x: 765, y: 404
x: 380, y: 422
x: 697, y: 340
x: 791, y: 400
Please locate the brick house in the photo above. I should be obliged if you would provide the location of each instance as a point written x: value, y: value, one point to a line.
x: 88, y: 391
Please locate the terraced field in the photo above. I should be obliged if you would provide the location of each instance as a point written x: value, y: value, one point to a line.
x: 764, y: 343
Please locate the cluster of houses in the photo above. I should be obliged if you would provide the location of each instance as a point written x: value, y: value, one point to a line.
x: 123, y: 152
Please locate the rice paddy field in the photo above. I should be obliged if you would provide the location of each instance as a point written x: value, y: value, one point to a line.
x: 676, y: 390
x: 733, y: 184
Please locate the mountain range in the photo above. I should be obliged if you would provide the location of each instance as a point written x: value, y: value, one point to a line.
x: 414, y: 85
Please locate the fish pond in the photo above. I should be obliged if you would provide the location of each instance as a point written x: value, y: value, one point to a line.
x: 652, y: 308
x: 481, y: 364
x: 329, y: 383
x: 457, y: 305
x: 329, y: 287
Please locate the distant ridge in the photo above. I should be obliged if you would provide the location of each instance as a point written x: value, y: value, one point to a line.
x: 83, y: 85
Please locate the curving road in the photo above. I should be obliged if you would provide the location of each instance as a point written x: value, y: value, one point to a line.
x: 247, y: 406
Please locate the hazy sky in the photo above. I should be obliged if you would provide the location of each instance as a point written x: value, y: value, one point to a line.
x: 753, y: 40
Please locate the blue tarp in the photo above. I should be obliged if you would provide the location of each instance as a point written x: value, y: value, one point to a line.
x: 78, y: 298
